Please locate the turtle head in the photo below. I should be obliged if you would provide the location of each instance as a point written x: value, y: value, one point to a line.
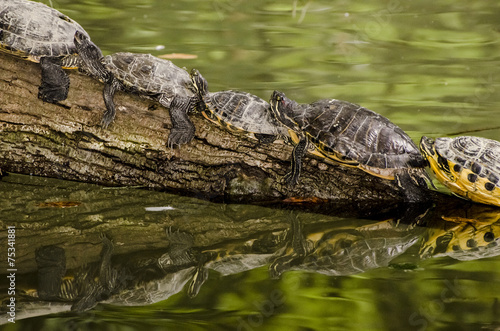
x: 283, y: 109
x: 427, y: 147
x: 199, y: 83
x: 91, y: 56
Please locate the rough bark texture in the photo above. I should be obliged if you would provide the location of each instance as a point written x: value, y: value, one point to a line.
x: 66, y: 141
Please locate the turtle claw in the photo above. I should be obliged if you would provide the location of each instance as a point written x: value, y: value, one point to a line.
x: 107, y: 119
x: 179, y: 137
x: 291, y: 179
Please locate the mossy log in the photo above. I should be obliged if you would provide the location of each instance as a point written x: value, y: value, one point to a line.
x: 66, y: 141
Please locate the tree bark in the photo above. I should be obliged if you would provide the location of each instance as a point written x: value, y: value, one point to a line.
x: 66, y: 141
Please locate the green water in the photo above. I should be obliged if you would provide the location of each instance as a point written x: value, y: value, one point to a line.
x: 431, y: 67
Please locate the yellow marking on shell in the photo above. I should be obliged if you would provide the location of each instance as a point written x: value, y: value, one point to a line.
x: 20, y: 54
x: 475, y: 191
x: 216, y: 119
x: 28, y: 57
x: 458, y: 182
x: 336, y: 158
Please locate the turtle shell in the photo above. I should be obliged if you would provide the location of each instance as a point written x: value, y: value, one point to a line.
x: 241, y: 112
x: 353, y: 135
x: 33, y: 30
x: 147, y: 74
x: 468, y: 166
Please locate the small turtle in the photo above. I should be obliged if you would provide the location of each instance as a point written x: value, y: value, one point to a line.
x: 239, y: 112
x: 38, y: 33
x: 146, y: 75
x: 351, y: 135
x: 468, y: 166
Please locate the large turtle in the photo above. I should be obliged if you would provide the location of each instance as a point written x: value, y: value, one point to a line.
x: 146, y: 75
x: 38, y: 33
x: 468, y: 166
x: 351, y: 135
x: 239, y: 112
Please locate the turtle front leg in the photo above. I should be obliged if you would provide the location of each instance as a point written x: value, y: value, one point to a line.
x: 182, y: 128
x: 108, y: 94
x: 55, y: 82
x: 298, y: 153
x: 413, y: 187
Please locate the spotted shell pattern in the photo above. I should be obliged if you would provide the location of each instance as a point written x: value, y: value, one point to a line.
x: 241, y: 111
x: 351, y: 134
x: 33, y: 30
x: 469, y: 167
x: 145, y: 73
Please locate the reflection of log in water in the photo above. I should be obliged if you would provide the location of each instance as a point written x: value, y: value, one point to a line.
x: 66, y: 141
x: 333, y: 248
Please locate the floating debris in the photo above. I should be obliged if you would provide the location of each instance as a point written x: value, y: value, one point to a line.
x: 299, y: 200
x: 59, y: 204
x: 181, y: 56
x: 159, y: 208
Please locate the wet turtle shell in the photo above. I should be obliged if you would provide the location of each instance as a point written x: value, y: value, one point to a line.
x: 349, y: 134
x: 38, y: 33
x: 147, y: 75
x: 242, y: 112
x: 468, y: 166
x: 33, y: 30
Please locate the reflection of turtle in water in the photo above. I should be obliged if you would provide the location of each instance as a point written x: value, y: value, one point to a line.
x: 36, y: 32
x: 468, y: 237
x: 146, y: 75
x: 239, y: 112
x: 468, y: 166
x: 343, y: 251
x: 351, y: 135
x: 226, y: 259
x: 85, y: 289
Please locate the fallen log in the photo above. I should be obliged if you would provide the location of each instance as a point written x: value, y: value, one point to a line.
x: 66, y: 141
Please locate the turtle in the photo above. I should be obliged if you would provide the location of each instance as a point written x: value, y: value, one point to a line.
x: 469, y: 166
x: 36, y: 32
x: 146, y: 75
x: 351, y: 135
x: 239, y: 112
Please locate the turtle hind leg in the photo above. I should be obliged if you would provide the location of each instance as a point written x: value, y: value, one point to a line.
x: 265, y: 138
x: 298, y: 153
x: 182, y: 128
x: 55, y: 82
x: 108, y: 94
